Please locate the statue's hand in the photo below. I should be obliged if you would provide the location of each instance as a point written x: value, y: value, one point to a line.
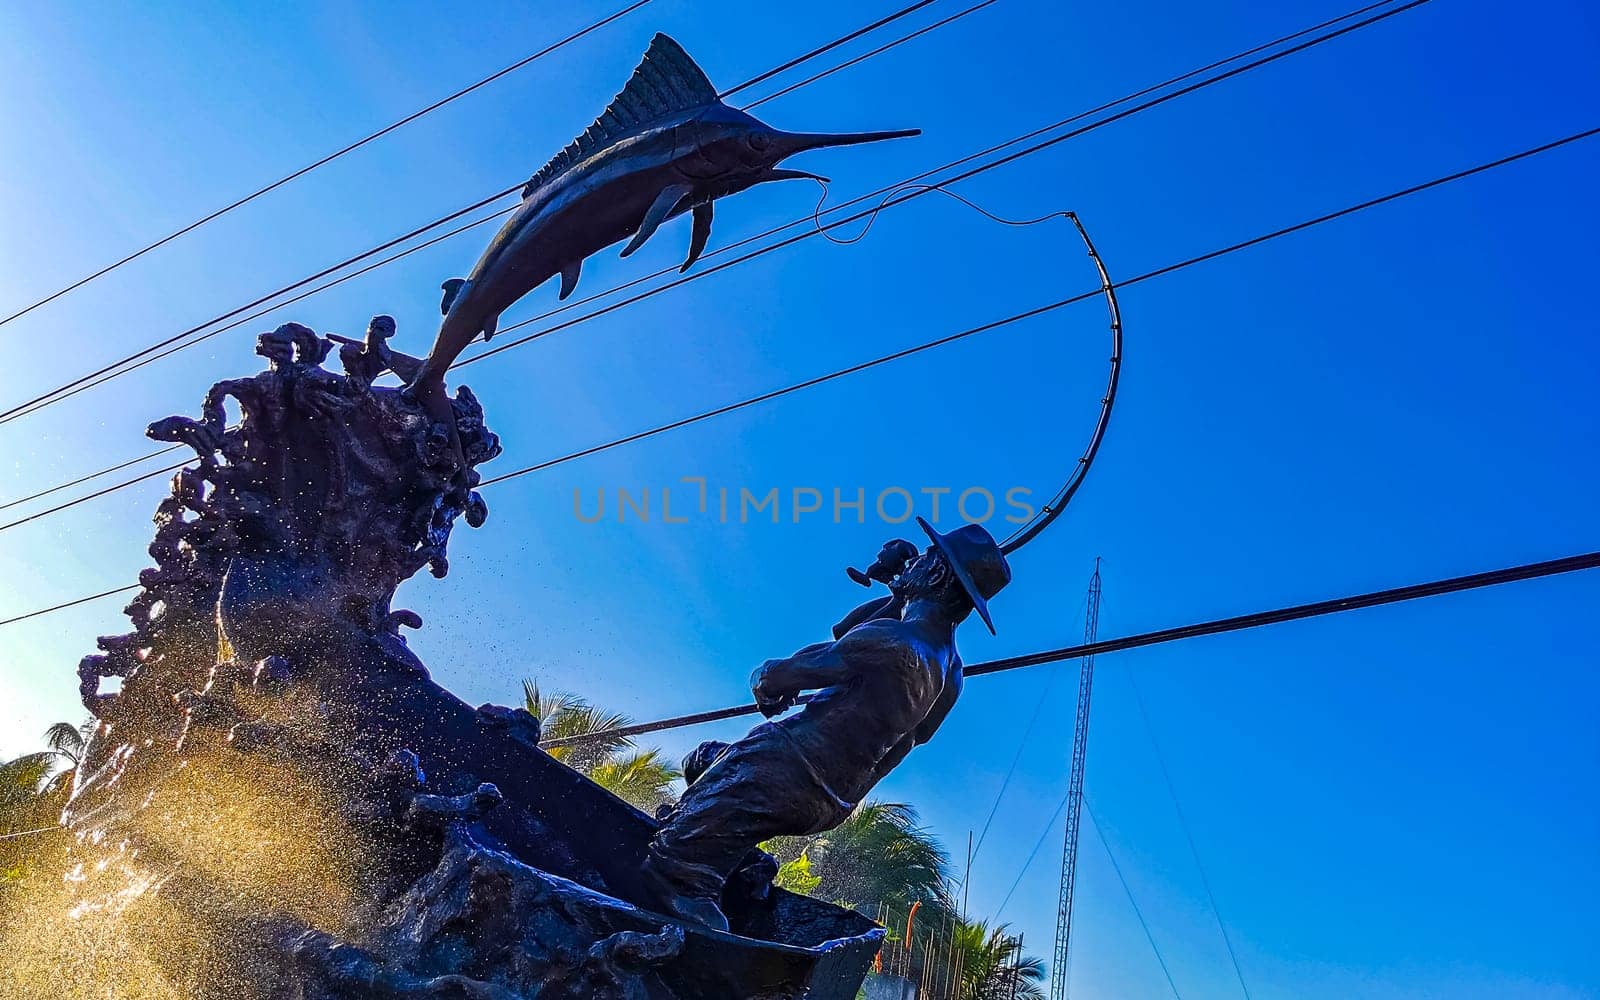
x: 770, y: 698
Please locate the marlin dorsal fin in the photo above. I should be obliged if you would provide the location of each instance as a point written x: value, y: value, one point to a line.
x: 667, y: 82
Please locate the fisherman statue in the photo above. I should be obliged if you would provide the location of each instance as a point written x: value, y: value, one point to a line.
x: 881, y: 688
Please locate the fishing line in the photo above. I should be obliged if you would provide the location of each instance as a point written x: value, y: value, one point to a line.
x: 1063, y: 495
x: 889, y: 196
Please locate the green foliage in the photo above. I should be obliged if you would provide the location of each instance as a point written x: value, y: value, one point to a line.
x: 640, y: 777
x: 883, y: 863
x: 992, y: 966
x: 795, y: 875
x: 879, y: 855
x: 33, y: 791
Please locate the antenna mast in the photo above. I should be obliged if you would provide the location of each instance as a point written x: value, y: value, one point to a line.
x: 1080, y: 747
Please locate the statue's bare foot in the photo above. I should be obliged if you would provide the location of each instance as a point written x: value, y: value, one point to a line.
x: 696, y: 910
x: 702, y: 910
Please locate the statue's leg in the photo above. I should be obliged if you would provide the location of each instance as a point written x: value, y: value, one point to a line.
x: 758, y: 789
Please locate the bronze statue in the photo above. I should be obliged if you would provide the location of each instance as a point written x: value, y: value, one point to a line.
x: 882, y: 689
x: 366, y: 359
x: 664, y: 146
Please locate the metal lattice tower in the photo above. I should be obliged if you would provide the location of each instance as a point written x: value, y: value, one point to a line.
x: 1080, y: 747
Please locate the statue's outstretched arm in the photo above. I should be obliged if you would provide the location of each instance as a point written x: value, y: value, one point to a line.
x: 776, y: 683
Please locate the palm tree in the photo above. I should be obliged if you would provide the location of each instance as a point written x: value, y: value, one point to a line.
x: 640, y: 777
x: 33, y: 791
x: 990, y: 965
x: 68, y: 743
x: 878, y: 858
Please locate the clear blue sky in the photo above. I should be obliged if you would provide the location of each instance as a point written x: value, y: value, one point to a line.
x: 1393, y: 804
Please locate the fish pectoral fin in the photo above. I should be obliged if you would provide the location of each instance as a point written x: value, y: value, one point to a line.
x: 452, y: 291
x: 656, y: 214
x: 702, y: 232
x: 489, y: 327
x: 569, y: 278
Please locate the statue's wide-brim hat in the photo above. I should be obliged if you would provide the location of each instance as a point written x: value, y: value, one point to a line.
x: 975, y: 558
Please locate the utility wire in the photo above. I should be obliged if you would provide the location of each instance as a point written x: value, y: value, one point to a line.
x: 121, y: 368
x: 1039, y: 708
x: 972, y: 331
x: 911, y: 181
x: 1049, y: 827
x: 31, y: 405
x: 1016, y: 759
x: 1355, y: 602
x: 863, y: 57
x: 95, y: 495
x: 370, y: 137
x: 1029, y: 314
x: 1188, y: 835
x: 274, y: 307
x: 830, y: 46
x: 13, y: 412
x: 1022, y: 745
x: 69, y: 604
x: 920, y: 190
x: 118, y: 368
x: 1128, y: 891
x: 1434, y: 588
x: 1173, y: 81
x: 93, y: 475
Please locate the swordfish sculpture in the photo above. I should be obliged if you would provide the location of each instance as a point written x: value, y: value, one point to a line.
x: 665, y: 145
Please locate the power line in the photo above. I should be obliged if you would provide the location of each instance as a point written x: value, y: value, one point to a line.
x: 13, y: 412
x: 1061, y: 123
x: 1172, y: 81
x: 121, y: 367
x: 146, y: 357
x: 1355, y: 602
x: 96, y: 494
x: 973, y: 331
x: 31, y: 405
x: 820, y: 50
x: 1037, y: 846
x: 958, y: 15
x: 69, y: 604
x: 1188, y: 835
x: 274, y: 307
x: 1030, y: 313
x: 1128, y: 891
x: 370, y: 137
x: 93, y: 475
x: 1027, y: 731
x: 921, y: 190
x: 1022, y: 745
x: 1434, y: 588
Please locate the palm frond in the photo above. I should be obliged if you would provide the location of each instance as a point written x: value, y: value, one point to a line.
x: 67, y: 740
x: 24, y: 804
x: 562, y: 715
x: 22, y: 777
x: 642, y: 779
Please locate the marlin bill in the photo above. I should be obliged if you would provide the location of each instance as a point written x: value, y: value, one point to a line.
x: 665, y: 145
